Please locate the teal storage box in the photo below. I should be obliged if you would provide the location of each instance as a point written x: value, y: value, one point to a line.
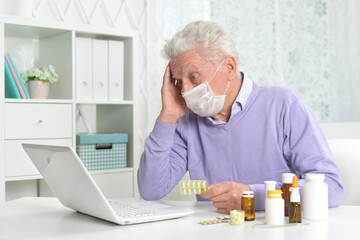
x: 102, y: 151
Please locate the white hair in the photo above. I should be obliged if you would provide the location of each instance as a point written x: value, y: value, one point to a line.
x: 209, y: 39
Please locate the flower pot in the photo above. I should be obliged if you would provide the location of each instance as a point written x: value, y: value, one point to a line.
x: 39, y: 89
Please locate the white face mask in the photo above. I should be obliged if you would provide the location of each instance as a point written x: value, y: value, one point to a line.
x: 202, y: 100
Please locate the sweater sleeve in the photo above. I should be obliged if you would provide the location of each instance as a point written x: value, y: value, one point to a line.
x: 163, y: 162
x: 307, y: 151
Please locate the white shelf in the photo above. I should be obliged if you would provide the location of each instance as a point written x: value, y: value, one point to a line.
x: 14, y: 100
x: 99, y: 172
x: 21, y: 178
x: 106, y: 102
x: 118, y: 170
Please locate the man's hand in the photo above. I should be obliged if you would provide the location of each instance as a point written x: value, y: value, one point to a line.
x: 173, y: 104
x: 226, y: 196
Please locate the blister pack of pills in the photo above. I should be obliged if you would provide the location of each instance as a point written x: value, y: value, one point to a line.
x: 219, y: 219
x: 192, y: 187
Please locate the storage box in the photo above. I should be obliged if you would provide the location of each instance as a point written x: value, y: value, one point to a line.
x: 102, y: 151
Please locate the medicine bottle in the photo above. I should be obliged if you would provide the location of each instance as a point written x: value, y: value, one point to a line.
x: 285, y: 188
x: 248, y: 205
x: 295, y: 205
x: 274, y: 205
x: 269, y: 185
x: 315, y: 197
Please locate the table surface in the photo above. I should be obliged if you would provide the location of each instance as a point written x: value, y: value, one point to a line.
x: 46, y: 218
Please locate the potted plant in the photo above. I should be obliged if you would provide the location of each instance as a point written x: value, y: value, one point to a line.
x: 39, y: 79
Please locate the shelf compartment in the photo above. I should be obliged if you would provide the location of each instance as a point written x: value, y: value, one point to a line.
x: 37, y: 46
x: 107, y: 119
x: 115, y: 66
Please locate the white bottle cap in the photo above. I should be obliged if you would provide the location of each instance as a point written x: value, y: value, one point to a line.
x: 287, y: 178
x: 248, y: 194
x: 270, y: 182
x: 315, y: 176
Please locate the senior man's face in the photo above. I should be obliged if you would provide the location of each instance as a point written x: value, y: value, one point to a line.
x: 190, y: 70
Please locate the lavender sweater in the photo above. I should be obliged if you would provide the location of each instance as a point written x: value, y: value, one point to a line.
x: 275, y: 133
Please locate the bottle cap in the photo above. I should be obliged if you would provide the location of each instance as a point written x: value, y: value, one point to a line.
x: 270, y: 182
x: 295, y: 182
x: 287, y: 178
x: 274, y: 193
x: 295, y: 195
x: 248, y: 194
x: 315, y: 176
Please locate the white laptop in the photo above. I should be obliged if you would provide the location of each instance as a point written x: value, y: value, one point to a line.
x: 69, y: 180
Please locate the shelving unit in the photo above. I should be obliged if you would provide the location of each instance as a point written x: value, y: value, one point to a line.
x: 54, y: 120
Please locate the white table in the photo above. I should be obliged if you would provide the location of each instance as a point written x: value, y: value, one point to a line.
x: 46, y: 218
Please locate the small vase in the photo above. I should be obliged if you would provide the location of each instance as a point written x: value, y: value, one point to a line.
x: 39, y: 89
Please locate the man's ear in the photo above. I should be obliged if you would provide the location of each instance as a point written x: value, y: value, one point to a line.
x: 231, y: 67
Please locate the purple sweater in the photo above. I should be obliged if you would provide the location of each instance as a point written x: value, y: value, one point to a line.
x: 275, y: 133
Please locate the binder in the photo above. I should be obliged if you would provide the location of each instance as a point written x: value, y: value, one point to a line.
x: 11, y: 90
x: 20, y: 79
x: 116, y: 70
x: 83, y: 61
x: 15, y: 78
x: 100, y: 69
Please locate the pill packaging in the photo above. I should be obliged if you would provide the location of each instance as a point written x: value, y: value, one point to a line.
x: 192, y: 187
x: 237, y: 217
x: 213, y: 221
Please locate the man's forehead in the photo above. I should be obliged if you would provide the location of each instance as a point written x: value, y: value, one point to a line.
x: 187, y: 66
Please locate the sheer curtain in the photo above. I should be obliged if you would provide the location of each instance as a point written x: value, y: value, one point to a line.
x: 310, y: 45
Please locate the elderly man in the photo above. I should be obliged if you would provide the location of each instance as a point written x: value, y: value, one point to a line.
x: 226, y: 129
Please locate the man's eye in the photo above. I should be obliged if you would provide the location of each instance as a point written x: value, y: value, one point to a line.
x: 193, y: 76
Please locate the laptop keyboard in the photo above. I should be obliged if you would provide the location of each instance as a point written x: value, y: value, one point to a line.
x: 124, y: 210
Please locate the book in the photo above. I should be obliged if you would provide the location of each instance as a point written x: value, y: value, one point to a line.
x: 11, y: 90
x: 17, y: 82
x: 18, y: 76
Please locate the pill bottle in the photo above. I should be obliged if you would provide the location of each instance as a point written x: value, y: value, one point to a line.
x: 285, y: 188
x: 295, y: 205
x: 274, y: 205
x: 248, y: 205
x: 315, y: 197
x: 269, y: 185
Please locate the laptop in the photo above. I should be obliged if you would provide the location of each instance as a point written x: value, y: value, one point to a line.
x: 72, y: 184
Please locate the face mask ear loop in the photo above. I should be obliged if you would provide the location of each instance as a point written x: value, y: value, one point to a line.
x: 216, y: 70
x: 227, y: 88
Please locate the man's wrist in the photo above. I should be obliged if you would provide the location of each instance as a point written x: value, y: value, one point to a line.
x: 167, y: 118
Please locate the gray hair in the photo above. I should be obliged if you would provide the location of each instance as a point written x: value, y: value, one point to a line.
x: 209, y: 39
